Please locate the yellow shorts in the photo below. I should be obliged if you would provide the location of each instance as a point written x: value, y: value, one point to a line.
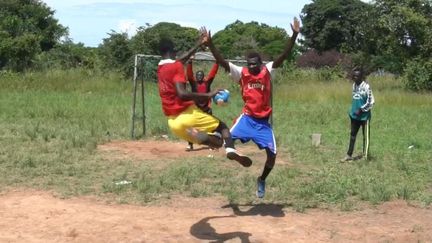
x: 192, y: 117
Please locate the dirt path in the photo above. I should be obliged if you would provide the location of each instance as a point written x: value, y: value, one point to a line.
x: 36, y: 216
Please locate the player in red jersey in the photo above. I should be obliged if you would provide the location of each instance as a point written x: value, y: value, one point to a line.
x: 255, y: 83
x: 185, y: 119
x: 201, y: 84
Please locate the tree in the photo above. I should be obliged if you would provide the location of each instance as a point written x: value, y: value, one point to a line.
x: 404, y: 28
x: 146, y: 41
x: 27, y: 27
x: 238, y: 38
x: 334, y: 24
x: 116, y: 53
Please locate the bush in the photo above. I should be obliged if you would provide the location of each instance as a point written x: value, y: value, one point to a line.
x: 291, y: 73
x: 314, y: 59
x: 330, y: 74
x: 67, y: 55
x: 418, y: 75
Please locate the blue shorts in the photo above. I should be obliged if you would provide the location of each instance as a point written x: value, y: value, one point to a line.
x: 258, y: 130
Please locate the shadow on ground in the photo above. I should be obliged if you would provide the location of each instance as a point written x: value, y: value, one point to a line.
x: 203, y: 230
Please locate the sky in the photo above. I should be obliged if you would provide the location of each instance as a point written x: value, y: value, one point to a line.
x: 90, y: 21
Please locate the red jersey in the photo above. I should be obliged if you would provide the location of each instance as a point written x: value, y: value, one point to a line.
x: 203, y: 87
x: 170, y: 72
x: 256, y: 92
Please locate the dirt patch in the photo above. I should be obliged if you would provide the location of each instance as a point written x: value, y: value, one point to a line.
x: 155, y: 149
x: 34, y: 216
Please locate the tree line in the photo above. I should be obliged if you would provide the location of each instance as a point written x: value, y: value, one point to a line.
x: 391, y: 35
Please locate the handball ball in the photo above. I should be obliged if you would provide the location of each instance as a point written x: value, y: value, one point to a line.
x: 222, y: 97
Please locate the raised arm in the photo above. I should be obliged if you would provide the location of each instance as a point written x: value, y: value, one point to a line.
x: 217, y: 55
x: 289, y: 45
x: 189, y: 71
x: 190, y: 75
x: 210, y: 77
x: 212, y: 74
x: 185, y: 56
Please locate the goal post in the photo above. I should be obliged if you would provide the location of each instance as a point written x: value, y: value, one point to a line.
x: 138, y: 81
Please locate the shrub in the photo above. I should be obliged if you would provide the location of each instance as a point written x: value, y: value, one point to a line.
x: 418, y: 75
x: 314, y: 59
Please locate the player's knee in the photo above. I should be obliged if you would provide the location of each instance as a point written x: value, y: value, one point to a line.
x: 222, y: 126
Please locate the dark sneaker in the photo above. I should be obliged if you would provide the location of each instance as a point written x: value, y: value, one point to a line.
x: 189, y: 147
x: 260, y: 188
x: 232, y: 154
x: 346, y: 159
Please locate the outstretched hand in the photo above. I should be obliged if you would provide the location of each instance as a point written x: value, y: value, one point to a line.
x: 215, y: 92
x: 296, y: 25
x: 205, y: 36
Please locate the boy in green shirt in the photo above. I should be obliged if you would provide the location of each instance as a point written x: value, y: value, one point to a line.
x: 360, y: 113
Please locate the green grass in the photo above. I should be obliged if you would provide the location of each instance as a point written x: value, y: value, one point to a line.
x: 51, y: 123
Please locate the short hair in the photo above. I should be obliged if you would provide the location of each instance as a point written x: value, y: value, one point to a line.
x: 253, y: 54
x: 165, y: 46
x: 358, y: 69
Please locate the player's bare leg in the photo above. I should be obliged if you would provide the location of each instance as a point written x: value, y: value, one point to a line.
x: 230, y: 150
x: 213, y: 141
x: 217, y: 140
x: 269, y: 164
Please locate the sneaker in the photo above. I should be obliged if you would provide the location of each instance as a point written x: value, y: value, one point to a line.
x: 189, y: 147
x: 232, y: 154
x: 346, y: 159
x: 260, y: 188
x: 216, y: 134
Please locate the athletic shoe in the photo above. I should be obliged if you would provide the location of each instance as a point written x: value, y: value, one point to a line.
x: 189, y: 147
x: 232, y: 154
x: 216, y: 134
x: 346, y: 159
x: 260, y: 188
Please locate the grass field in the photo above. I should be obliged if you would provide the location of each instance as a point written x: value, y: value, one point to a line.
x: 52, y: 122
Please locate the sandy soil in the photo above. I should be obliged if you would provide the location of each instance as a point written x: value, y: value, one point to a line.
x: 37, y: 216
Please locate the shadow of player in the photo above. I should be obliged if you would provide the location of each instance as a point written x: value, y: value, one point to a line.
x: 263, y: 209
x: 204, y: 231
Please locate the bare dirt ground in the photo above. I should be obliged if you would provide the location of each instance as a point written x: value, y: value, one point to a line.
x: 37, y: 216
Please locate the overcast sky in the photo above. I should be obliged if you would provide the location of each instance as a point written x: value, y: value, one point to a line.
x: 89, y: 21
